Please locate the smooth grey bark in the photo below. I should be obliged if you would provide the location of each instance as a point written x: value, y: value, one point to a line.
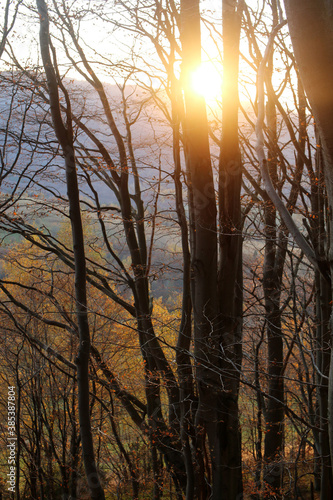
x: 269, y: 188
x: 64, y: 134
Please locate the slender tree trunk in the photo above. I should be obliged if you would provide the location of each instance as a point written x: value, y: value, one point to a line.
x: 274, y: 415
x: 183, y: 357
x: 74, y: 447
x: 18, y: 429
x: 230, y: 263
x: 65, y: 137
x: 272, y: 282
x: 323, y: 312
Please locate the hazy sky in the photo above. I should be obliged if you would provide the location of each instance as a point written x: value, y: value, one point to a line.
x: 24, y: 41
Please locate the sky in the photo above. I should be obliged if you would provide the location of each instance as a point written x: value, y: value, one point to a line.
x: 115, y: 47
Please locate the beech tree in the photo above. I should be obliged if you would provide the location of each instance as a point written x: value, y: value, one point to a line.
x: 64, y: 133
x: 314, y: 62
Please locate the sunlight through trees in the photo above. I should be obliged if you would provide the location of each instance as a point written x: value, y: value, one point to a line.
x: 165, y: 273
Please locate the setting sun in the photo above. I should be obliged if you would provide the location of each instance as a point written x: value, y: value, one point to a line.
x: 206, y: 80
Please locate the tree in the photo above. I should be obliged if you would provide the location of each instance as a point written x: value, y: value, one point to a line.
x: 230, y: 266
x: 314, y: 62
x: 217, y: 303
x: 64, y: 133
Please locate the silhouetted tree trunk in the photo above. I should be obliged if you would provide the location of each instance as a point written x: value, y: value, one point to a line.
x: 64, y: 134
x: 311, y: 31
x: 183, y: 357
x: 275, y: 252
x: 230, y: 285
x: 204, y: 246
x: 323, y: 310
x: 216, y: 292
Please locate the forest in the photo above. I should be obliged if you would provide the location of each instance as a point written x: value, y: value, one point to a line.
x: 166, y: 250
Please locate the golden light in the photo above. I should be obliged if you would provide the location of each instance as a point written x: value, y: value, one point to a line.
x: 206, y: 80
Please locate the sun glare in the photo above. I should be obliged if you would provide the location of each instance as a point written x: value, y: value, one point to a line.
x: 206, y: 80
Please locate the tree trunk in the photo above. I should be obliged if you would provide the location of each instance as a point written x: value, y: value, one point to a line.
x: 65, y: 137
x: 311, y: 31
x: 183, y: 357
x: 203, y: 250
x: 230, y: 287
x: 323, y: 311
x: 272, y: 283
